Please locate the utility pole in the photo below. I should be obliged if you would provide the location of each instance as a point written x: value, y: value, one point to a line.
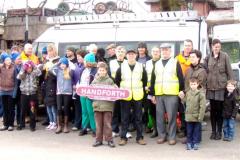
x: 26, y: 21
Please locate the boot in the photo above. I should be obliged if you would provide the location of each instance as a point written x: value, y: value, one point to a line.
x: 155, y: 132
x: 59, y: 124
x: 65, y: 129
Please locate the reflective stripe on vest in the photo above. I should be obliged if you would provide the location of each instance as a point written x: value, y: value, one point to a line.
x: 114, y: 65
x: 132, y: 80
x: 166, y: 82
x: 149, y: 68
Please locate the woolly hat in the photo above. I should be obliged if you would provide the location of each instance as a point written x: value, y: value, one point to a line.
x: 90, y: 57
x: 4, y: 56
x: 27, y: 65
x: 44, y: 50
x: 72, y: 49
x: 64, y: 60
x: 15, y: 55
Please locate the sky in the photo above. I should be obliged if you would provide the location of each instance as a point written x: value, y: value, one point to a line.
x: 137, y: 6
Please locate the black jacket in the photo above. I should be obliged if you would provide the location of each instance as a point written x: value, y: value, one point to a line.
x: 229, y: 106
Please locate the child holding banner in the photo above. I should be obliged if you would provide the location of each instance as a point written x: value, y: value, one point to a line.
x: 103, y: 109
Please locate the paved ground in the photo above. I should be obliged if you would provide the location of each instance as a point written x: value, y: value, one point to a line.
x: 42, y: 144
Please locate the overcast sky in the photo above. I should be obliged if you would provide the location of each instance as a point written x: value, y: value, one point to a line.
x: 136, y: 5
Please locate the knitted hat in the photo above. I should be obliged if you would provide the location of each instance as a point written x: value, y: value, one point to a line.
x: 72, y: 49
x: 4, y: 56
x: 90, y: 57
x: 64, y: 60
x: 27, y: 65
x: 44, y: 50
x: 15, y: 55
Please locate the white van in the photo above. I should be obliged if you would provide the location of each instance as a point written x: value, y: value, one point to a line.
x: 127, y: 30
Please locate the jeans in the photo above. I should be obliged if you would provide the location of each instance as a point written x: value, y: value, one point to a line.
x: 1, y: 107
x: 228, y: 128
x: 193, y: 132
x: 125, y: 117
x: 52, y: 113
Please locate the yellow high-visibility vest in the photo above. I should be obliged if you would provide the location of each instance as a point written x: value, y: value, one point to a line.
x: 114, y: 65
x: 166, y: 82
x: 132, y: 80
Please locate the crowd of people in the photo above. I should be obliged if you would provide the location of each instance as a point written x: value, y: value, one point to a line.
x: 167, y: 94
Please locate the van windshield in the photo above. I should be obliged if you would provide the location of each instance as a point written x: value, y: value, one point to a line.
x: 233, y: 50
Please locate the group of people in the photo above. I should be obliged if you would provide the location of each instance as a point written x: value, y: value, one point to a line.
x: 162, y: 87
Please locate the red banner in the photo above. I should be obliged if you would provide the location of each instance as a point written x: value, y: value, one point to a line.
x: 107, y: 93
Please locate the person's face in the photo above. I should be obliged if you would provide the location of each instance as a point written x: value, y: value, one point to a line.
x: 63, y: 66
x: 193, y: 85
x: 187, y: 47
x: 80, y: 59
x: 230, y: 88
x: 29, y: 70
x: 131, y: 57
x: 120, y: 54
x: 102, y: 72
x: 111, y: 52
x: 28, y: 50
x: 69, y: 53
x: 155, y: 53
x: 194, y: 59
x: 18, y: 61
x: 8, y: 61
x: 216, y: 48
x: 166, y: 53
x: 51, y: 53
x: 142, y: 51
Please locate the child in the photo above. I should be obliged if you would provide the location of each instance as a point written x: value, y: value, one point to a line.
x: 28, y: 76
x: 86, y: 77
x: 64, y: 92
x: 229, y: 111
x: 8, y: 90
x: 103, y: 109
x: 194, y: 114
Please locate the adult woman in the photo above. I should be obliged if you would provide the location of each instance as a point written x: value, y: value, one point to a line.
x: 219, y: 71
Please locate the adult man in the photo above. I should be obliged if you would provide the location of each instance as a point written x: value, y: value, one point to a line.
x: 150, y: 65
x: 113, y: 66
x: 111, y: 51
x: 27, y: 54
x: 132, y: 76
x: 166, y: 84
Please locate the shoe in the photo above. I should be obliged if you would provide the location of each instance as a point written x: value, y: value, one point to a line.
x: 218, y: 136
x: 122, y: 142
x: 93, y: 134
x: 213, y: 136
x: 10, y: 128
x: 20, y: 127
x: 97, y: 143
x: 184, y: 140
x: 189, y: 146
x: 154, y: 134
x: 74, y: 128
x: 45, y: 123
x: 3, y: 128
x: 230, y: 139
x: 58, y: 130
x: 181, y: 134
x: 225, y: 138
x: 141, y: 141
x: 114, y: 134
x: 161, y: 140
x: 172, y: 142
x: 195, y: 146
x: 129, y: 135
x: 83, y: 132
x: 148, y: 130
x: 111, y: 144
x: 32, y: 129
x: 53, y: 127
x: 49, y: 126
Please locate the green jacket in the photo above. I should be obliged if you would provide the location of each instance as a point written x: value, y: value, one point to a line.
x: 101, y: 105
x: 195, y: 106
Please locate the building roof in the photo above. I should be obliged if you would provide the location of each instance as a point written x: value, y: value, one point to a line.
x: 220, y: 17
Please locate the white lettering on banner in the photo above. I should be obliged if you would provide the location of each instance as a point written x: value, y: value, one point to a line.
x: 108, y: 93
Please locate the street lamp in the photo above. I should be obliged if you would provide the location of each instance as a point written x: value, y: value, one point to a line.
x: 26, y: 21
